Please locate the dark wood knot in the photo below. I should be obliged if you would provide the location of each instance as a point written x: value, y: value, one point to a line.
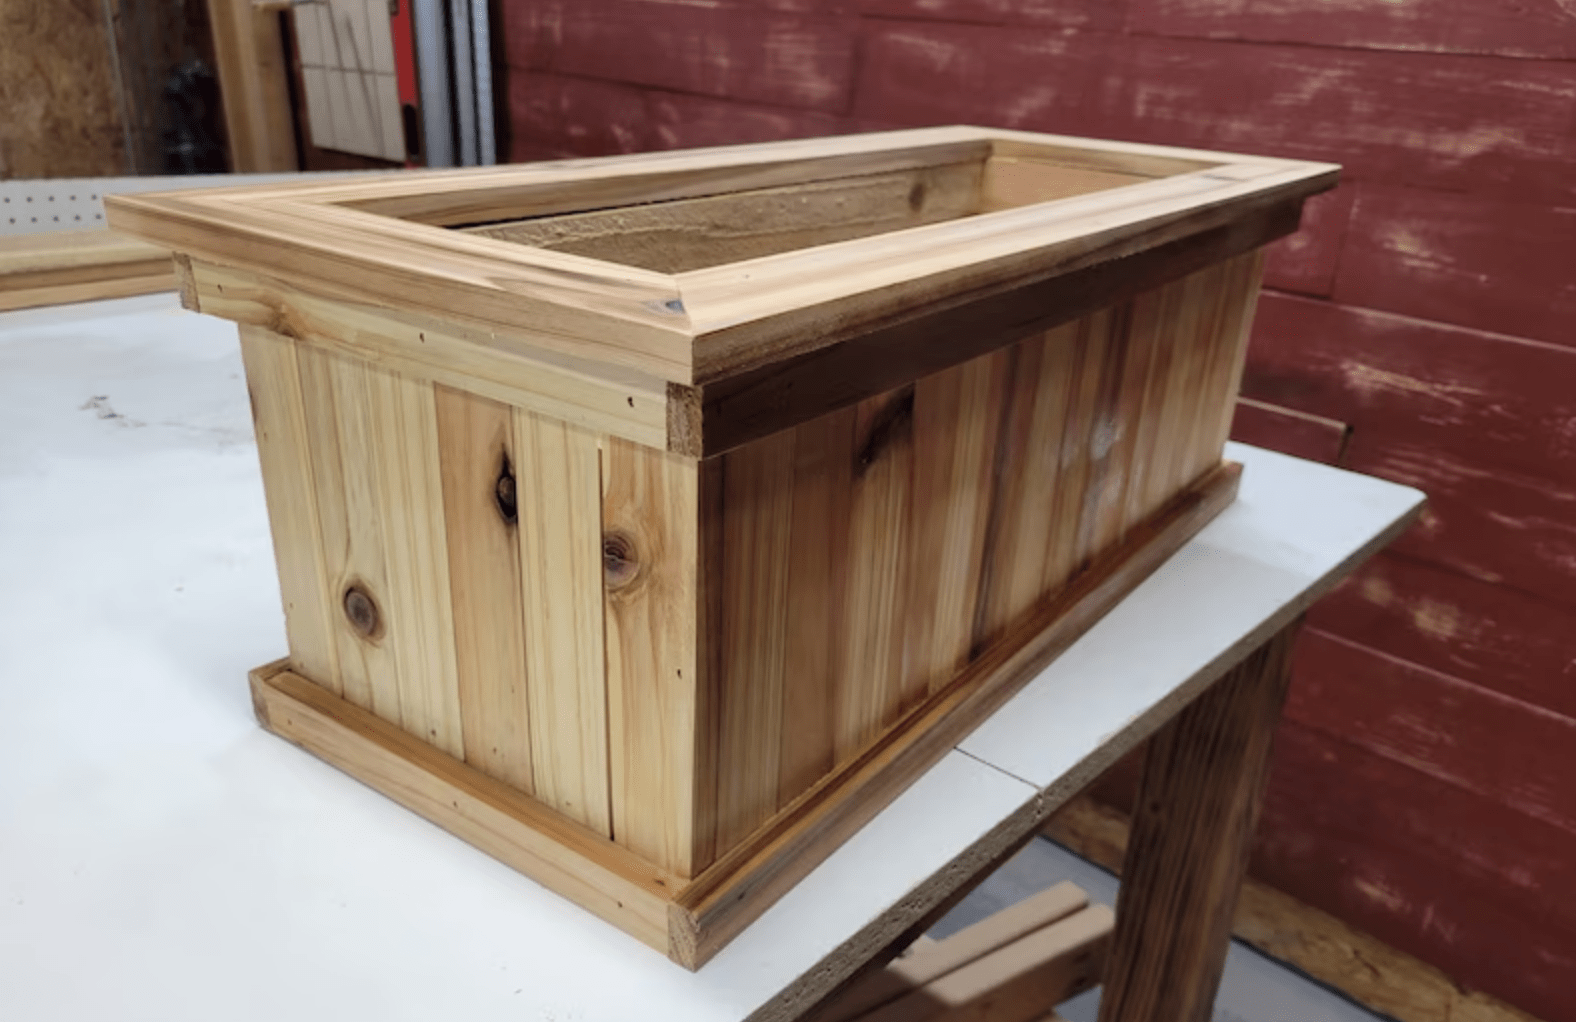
x: 619, y: 564
x: 361, y: 610
x: 504, y: 495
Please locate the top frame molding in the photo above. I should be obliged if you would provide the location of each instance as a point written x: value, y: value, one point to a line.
x: 408, y: 243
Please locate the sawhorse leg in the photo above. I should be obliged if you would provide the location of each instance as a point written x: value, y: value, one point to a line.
x: 1193, y: 824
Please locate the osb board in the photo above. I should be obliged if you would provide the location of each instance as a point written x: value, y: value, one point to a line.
x: 57, y: 91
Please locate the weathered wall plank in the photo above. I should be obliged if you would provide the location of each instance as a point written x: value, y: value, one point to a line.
x: 1507, y: 28
x: 1417, y: 327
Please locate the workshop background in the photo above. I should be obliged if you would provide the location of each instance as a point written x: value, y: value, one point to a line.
x: 1418, y: 328
x: 1423, y: 783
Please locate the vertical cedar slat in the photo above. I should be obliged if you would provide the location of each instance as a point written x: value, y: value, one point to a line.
x: 1128, y: 452
x: 869, y: 673
x: 650, y: 549
x: 957, y: 426
x: 404, y: 422
x: 757, y: 544
x: 1153, y: 444
x: 475, y: 445
x: 822, y: 496
x: 338, y: 410
x: 1075, y: 479
x: 559, y: 488
x: 1027, y: 484
x: 1242, y: 305
x: 869, y: 676
x: 1198, y: 803
x: 284, y: 448
x: 1103, y: 486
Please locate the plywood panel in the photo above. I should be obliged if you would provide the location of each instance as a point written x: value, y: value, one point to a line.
x: 560, y: 501
x: 650, y: 549
x: 480, y: 509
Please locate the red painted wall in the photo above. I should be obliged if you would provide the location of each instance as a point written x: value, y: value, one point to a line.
x: 1425, y: 787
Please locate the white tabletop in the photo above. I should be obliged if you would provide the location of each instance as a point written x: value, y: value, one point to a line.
x: 162, y: 858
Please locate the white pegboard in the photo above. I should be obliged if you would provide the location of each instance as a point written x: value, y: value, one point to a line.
x: 38, y: 206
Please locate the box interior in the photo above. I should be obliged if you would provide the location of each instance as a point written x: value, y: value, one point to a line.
x: 679, y: 235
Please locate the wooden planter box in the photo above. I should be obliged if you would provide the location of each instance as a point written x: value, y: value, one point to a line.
x: 650, y: 522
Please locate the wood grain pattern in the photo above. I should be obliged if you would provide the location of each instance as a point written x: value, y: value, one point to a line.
x: 475, y: 443
x: 79, y: 266
x: 751, y: 54
x: 570, y: 859
x: 1306, y: 262
x: 756, y: 561
x: 743, y: 882
x: 879, y: 574
x: 1537, y: 28
x: 1371, y: 699
x: 1493, y: 263
x: 1401, y: 844
x: 1360, y: 966
x: 691, y: 234
x: 402, y: 419
x: 555, y: 115
x: 1289, y: 431
x: 816, y: 615
x: 560, y: 504
x: 650, y: 556
x: 1015, y: 982
x: 899, y: 539
x: 284, y: 445
x: 1203, y: 777
x: 1505, y: 641
x: 1495, y: 402
x: 253, y: 81
x: 928, y: 960
x: 351, y: 523
x: 627, y: 405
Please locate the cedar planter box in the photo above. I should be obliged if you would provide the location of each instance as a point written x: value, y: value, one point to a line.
x: 651, y: 521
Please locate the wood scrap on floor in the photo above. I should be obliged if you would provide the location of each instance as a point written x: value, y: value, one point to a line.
x: 79, y: 266
x: 1010, y: 967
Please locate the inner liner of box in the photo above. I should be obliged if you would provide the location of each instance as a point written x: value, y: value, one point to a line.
x: 680, y: 235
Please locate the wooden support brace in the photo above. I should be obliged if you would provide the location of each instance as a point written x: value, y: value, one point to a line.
x: 1197, y: 808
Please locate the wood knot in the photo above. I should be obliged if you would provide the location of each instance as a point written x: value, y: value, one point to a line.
x: 504, y: 495
x: 619, y: 564
x: 916, y: 196
x: 361, y: 610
